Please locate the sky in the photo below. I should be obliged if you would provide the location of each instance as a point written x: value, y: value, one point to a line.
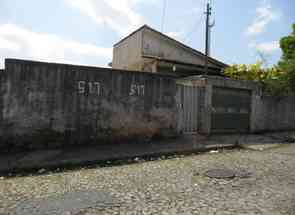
x: 84, y: 31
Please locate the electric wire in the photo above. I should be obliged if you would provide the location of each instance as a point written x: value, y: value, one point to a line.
x: 195, y: 28
x: 163, y: 15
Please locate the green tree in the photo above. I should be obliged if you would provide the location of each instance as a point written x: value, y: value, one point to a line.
x: 279, y: 79
x: 272, y: 79
x: 287, y: 45
x: 287, y: 62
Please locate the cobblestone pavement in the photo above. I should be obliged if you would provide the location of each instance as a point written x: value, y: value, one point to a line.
x: 173, y: 186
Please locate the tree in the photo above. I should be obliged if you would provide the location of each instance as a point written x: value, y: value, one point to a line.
x: 287, y: 45
x: 287, y: 62
x: 279, y: 79
x: 271, y: 78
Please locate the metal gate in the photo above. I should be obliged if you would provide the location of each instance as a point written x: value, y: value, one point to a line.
x: 230, y: 110
x: 189, y: 108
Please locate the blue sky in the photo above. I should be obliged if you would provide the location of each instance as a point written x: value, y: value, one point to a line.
x: 84, y: 31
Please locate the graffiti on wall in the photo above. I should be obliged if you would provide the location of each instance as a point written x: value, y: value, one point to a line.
x: 136, y: 90
x: 94, y: 88
x: 91, y: 87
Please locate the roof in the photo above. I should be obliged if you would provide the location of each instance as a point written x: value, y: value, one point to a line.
x: 212, y: 60
x: 181, y: 63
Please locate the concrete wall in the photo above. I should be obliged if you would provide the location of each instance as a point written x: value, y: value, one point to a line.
x: 51, y: 105
x: 274, y: 113
x: 127, y: 54
x: 46, y: 105
x: 268, y: 113
x: 155, y: 44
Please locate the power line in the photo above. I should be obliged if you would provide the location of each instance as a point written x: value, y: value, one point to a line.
x: 197, y: 24
x: 163, y: 15
x: 195, y: 28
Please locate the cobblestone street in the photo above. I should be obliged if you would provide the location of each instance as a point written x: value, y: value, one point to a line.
x: 177, y: 185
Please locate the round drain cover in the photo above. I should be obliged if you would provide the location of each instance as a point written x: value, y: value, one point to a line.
x: 221, y: 173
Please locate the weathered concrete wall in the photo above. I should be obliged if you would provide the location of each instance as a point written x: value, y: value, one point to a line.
x: 51, y: 105
x: 134, y: 52
x: 46, y: 105
x: 155, y: 44
x: 127, y: 54
x: 274, y: 113
x: 268, y: 113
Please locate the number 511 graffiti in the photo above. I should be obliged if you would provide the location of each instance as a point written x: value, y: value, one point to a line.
x: 91, y: 87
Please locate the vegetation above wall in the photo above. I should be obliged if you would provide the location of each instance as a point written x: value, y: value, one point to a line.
x: 279, y: 79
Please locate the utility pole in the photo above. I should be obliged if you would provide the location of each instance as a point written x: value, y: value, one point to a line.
x: 207, y: 45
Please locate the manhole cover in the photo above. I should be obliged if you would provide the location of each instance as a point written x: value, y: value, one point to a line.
x: 221, y: 173
x: 73, y: 201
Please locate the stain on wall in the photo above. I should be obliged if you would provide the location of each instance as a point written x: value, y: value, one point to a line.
x: 274, y: 113
x: 46, y: 105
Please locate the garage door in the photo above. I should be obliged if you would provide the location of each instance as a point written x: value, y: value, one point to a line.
x: 230, y: 110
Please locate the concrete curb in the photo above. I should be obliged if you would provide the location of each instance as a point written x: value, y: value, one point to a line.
x: 121, y: 153
x: 74, y: 162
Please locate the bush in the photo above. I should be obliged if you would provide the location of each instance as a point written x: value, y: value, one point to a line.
x: 274, y: 80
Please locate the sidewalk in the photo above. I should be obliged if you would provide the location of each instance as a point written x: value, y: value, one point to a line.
x: 51, y: 159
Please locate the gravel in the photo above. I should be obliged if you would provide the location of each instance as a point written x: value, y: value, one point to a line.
x: 174, y: 186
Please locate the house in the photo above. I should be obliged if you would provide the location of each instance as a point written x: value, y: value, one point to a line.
x: 149, y: 50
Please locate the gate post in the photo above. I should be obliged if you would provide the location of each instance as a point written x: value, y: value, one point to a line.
x: 207, y: 109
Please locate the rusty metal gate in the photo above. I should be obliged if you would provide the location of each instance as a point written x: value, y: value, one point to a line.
x: 231, y: 110
x: 188, y: 101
